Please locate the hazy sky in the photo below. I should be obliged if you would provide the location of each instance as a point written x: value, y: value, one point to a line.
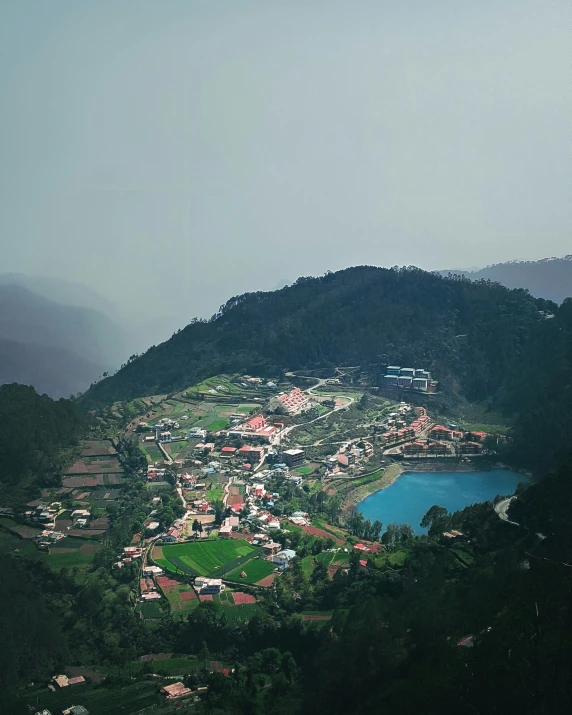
x: 174, y: 153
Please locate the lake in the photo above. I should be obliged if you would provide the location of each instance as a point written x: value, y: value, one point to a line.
x: 413, y: 493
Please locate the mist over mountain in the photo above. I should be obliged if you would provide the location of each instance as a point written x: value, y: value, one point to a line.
x: 549, y: 278
x: 59, y: 349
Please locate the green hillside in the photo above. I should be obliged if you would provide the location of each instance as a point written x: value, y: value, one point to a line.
x: 471, y: 332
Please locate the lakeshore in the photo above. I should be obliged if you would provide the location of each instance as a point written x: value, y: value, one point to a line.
x: 410, y: 497
x: 358, y: 494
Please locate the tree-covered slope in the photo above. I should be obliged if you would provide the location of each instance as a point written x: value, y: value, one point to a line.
x: 475, y: 332
x: 36, y: 434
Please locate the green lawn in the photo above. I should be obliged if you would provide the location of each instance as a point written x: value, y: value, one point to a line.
x: 207, y: 557
x: 245, y: 408
x: 304, y: 470
x: 255, y: 569
x: 307, y: 564
x: 217, y: 425
x: 215, y: 494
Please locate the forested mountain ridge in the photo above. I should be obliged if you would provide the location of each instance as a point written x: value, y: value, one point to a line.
x: 475, y: 332
x: 549, y: 278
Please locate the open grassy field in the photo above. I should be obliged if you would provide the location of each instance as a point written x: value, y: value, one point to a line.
x: 307, y: 564
x: 480, y: 427
x: 329, y: 558
x: 205, y: 558
x: 255, y: 569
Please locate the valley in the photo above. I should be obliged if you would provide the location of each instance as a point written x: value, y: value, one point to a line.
x: 184, y: 533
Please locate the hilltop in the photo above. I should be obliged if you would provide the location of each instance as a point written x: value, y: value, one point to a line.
x: 473, y: 333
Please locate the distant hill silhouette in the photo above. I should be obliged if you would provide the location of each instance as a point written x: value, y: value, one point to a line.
x: 549, y: 278
x: 58, y: 349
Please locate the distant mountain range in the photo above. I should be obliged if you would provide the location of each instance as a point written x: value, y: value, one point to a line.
x: 59, y: 349
x: 549, y: 278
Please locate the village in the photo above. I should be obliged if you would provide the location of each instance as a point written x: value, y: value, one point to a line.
x: 232, y: 468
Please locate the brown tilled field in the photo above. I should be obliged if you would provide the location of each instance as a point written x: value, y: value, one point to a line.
x: 84, y: 481
x: 241, y: 598
x: 315, y: 531
x: 267, y: 581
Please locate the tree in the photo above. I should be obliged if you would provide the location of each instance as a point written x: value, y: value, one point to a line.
x: 435, y: 520
x: 197, y: 526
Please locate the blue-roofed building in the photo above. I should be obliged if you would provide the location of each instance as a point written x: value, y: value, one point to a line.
x: 390, y: 380
x: 393, y: 370
x: 282, y: 558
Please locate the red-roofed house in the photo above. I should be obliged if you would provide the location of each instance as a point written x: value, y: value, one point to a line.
x: 478, y: 436
x: 440, y: 432
x: 228, y: 451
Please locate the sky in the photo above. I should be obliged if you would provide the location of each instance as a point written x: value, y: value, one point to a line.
x: 171, y: 154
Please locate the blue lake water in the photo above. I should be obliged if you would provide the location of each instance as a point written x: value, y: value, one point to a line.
x: 413, y: 493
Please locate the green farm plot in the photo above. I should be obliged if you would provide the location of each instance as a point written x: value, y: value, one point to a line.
x: 152, y: 609
x: 329, y: 558
x: 205, y: 558
x: 239, y: 614
x: 177, y: 666
x: 246, y: 408
x: 307, y: 564
x: 255, y: 570
x: 217, y: 425
x: 131, y: 698
x: 151, y: 451
x: 397, y: 558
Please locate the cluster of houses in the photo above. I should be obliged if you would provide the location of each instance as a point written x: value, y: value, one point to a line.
x: 175, y: 531
x: 229, y: 525
x: 45, y: 516
x: 409, y: 378
x: 446, y: 442
x: 402, y: 432
x: 257, y: 426
x: 130, y: 553
x: 348, y: 456
x: 295, y: 401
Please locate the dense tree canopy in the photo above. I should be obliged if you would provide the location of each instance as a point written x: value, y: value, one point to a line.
x: 474, y: 332
x: 37, y: 433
